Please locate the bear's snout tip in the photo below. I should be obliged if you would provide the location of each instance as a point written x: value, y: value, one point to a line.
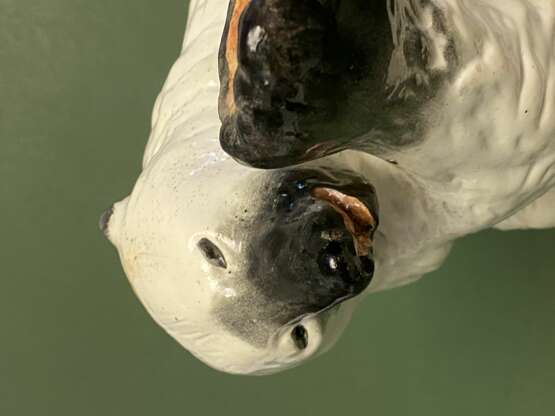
x: 104, y: 220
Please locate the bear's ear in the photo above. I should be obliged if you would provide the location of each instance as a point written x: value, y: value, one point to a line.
x: 110, y: 221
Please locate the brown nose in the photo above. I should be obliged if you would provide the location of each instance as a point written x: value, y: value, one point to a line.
x: 104, y: 220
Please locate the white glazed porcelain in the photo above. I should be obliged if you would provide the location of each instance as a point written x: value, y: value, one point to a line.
x: 487, y: 160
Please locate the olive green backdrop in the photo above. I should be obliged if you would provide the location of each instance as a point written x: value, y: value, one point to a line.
x: 78, y: 79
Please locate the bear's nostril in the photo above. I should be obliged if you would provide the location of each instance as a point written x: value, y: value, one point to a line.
x: 212, y: 253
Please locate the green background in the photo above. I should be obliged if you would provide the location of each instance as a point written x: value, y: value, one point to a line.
x: 78, y: 81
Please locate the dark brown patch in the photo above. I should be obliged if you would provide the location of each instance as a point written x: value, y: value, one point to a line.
x: 300, y: 258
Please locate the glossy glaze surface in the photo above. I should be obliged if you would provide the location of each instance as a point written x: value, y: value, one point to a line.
x: 79, y: 82
x: 190, y: 190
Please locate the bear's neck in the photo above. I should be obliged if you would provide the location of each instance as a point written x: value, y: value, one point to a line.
x: 416, y: 227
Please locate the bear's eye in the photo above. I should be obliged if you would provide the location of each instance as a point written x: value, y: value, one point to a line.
x: 212, y: 253
x: 300, y: 337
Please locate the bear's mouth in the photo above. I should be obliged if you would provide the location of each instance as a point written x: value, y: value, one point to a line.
x: 338, y: 205
x: 300, y: 79
x: 317, y: 235
x: 308, y: 248
x: 358, y: 219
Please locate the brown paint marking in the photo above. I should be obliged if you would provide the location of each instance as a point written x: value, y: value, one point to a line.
x: 231, y: 50
x: 357, y: 218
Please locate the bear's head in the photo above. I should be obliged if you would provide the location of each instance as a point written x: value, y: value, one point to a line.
x: 252, y: 271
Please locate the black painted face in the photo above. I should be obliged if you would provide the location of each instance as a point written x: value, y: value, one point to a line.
x: 300, y: 257
x: 301, y: 79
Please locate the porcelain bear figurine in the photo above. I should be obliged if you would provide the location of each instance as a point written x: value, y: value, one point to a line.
x: 395, y: 127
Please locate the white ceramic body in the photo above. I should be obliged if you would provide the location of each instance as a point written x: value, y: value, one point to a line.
x: 487, y: 159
